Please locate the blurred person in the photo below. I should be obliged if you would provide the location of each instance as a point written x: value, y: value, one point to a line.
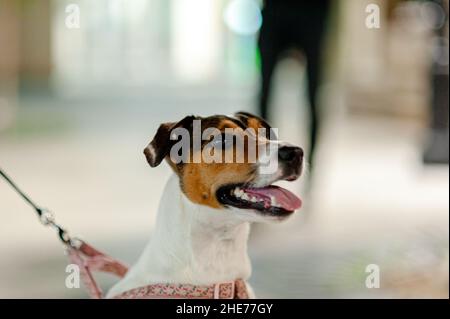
x: 293, y: 24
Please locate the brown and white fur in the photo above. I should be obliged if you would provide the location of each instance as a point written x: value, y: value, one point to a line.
x: 197, y: 238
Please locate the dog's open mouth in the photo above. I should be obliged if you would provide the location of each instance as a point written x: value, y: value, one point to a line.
x: 269, y: 199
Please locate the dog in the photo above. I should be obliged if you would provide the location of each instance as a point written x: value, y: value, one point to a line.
x: 204, y: 216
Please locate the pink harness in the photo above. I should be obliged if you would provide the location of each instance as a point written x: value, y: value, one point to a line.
x: 90, y: 259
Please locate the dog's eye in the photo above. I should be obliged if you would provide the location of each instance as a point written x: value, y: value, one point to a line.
x: 216, y: 141
x: 223, y: 140
x: 227, y: 140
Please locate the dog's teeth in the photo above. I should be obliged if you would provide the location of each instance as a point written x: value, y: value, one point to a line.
x: 239, y: 193
x: 273, y: 201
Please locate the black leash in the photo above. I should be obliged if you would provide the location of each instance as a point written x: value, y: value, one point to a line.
x: 46, y: 217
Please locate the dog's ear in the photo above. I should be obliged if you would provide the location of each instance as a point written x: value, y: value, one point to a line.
x: 160, y: 146
x: 255, y: 122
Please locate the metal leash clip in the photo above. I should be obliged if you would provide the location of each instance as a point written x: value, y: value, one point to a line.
x: 47, y: 218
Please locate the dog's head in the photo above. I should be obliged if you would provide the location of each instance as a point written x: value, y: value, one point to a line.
x: 230, y: 161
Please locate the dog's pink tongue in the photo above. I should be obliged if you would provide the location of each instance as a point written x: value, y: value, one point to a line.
x: 283, y: 197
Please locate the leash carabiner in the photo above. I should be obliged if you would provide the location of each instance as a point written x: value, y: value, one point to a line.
x: 45, y: 216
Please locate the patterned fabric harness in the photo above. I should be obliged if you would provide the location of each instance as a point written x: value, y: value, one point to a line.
x: 226, y: 290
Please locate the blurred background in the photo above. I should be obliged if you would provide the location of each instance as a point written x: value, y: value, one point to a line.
x: 80, y: 99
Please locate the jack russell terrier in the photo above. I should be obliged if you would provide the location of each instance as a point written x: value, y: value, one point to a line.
x: 199, y: 246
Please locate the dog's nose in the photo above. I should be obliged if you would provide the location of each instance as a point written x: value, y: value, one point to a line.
x: 290, y: 154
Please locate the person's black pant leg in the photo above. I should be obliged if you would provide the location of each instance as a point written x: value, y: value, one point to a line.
x: 269, y: 49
